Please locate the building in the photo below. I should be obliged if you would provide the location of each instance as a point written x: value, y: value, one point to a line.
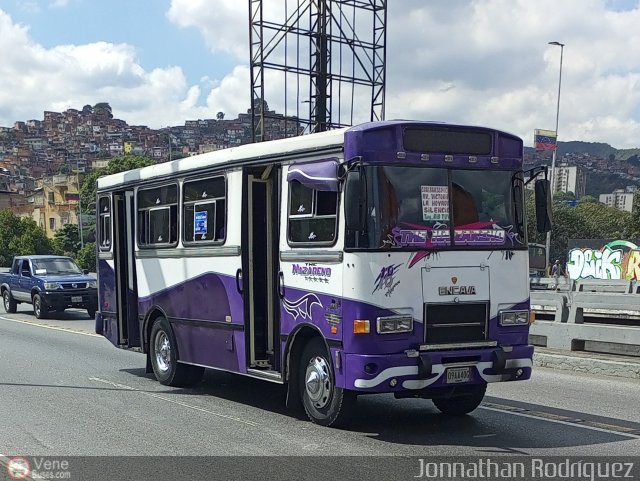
x: 619, y: 199
x: 570, y: 178
x: 54, y: 203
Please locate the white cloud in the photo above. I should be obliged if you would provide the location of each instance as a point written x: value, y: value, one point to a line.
x: 34, y: 79
x: 59, y: 3
x: 471, y: 61
x: 223, y: 27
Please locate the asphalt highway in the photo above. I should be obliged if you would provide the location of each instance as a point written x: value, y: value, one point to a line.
x: 67, y: 392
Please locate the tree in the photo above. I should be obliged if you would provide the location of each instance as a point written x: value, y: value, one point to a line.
x: 587, y: 220
x: 118, y: 164
x: 21, y: 236
x: 10, y: 227
x: 635, y: 216
x: 86, y: 257
x: 103, y: 108
x: 67, y: 240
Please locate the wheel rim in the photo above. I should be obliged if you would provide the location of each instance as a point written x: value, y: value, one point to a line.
x: 163, y: 352
x: 36, y: 306
x: 6, y: 301
x: 318, y: 384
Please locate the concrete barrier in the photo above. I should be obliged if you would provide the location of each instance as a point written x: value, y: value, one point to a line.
x: 541, y: 300
x: 569, y: 303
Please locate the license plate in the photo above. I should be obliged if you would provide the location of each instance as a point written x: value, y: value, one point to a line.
x: 76, y: 298
x: 458, y: 375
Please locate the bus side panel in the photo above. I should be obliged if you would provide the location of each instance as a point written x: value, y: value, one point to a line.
x: 106, y: 320
x: 312, y: 290
x: 204, y: 310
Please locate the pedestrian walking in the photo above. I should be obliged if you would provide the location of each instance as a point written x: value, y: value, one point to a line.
x: 557, y: 271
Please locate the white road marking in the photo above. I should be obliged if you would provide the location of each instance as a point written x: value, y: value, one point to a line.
x: 54, y: 328
x: 559, y: 421
x: 124, y: 387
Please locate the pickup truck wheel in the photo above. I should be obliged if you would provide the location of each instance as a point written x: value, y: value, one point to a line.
x: 10, y: 305
x: 92, y: 312
x: 39, y: 309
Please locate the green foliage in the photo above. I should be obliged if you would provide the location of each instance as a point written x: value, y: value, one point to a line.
x: 102, y: 107
x: 118, y: 164
x: 21, y: 236
x: 86, y: 257
x: 588, y: 220
x: 67, y: 240
x: 601, y: 182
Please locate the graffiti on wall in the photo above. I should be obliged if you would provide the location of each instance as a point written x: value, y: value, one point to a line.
x: 616, y: 260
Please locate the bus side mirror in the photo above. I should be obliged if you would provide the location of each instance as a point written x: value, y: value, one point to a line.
x: 543, y: 205
x: 354, y: 201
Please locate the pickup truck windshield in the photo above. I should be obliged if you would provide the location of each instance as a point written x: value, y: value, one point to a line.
x: 55, y: 267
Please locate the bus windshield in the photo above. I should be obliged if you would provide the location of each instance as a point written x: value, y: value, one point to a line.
x: 415, y: 208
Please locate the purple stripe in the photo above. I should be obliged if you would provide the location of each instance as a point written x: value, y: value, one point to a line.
x: 318, y: 175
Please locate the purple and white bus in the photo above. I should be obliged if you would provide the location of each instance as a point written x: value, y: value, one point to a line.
x: 385, y: 257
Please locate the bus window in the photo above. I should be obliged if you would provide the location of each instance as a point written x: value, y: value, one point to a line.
x: 313, y: 215
x: 204, y: 211
x: 158, y: 217
x: 104, y: 223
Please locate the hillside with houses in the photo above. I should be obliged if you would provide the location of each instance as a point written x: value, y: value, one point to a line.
x: 42, y: 162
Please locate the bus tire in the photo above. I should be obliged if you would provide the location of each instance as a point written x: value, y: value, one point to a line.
x: 324, y: 403
x: 10, y: 304
x: 164, y: 360
x: 462, y: 404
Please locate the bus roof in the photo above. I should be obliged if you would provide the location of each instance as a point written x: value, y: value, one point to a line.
x: 323, y: 142
x: 331, y: 140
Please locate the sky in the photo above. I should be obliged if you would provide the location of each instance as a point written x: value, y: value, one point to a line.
x: 481, y: 62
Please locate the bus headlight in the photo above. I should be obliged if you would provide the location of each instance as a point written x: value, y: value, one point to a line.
x: 51, y: 286
x: 514, y: 318
x: 394, y: 324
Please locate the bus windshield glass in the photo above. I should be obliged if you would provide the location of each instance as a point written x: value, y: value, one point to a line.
x: 416, y: 208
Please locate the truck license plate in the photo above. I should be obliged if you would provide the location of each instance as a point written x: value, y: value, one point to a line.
x: 458, y: 375
x: 76, y: 298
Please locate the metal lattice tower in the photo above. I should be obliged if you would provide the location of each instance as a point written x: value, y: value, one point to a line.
x: 317, y: 61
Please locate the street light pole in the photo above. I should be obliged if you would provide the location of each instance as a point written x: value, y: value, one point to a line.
x: 552, y: 178
x: 79, y: 204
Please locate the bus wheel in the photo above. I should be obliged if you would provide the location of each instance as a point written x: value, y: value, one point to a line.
x: 167, y: 369
x: 324, y: 403
x: 462, y: 404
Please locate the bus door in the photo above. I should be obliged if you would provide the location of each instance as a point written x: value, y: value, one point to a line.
x: 125, y: 270
x: 260, y: 263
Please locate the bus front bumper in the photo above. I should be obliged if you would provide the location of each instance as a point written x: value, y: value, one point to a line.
x: 415, y: 371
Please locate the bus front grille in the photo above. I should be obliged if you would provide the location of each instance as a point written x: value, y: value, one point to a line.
x: 455, y: 323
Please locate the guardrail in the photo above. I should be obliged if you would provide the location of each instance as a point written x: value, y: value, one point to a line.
x: 569, y: 300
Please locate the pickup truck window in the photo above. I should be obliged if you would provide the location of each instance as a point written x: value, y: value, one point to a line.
x: 15, y: 269
x: 26, y: 268
x: 56, y: 267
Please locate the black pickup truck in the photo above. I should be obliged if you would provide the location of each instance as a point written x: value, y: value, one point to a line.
x: 50, y: 283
